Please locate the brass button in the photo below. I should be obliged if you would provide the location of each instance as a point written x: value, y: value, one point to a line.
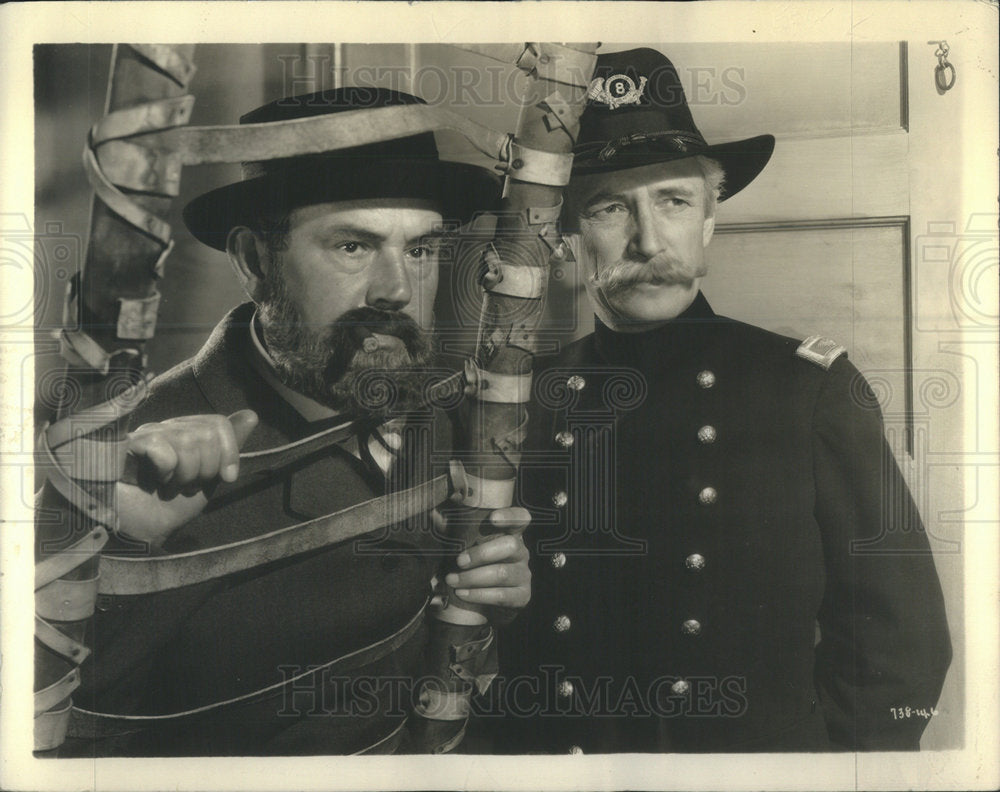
x: 565, y: 439
x: 576, y: 382
x: 695, y: 562
x: 691, y: 627
x: 560, y: 499
x: 558, y: 560
x: 708, y: 496
x: 562, y: 623
x: 680, y: 687
x: 707, y: 434
x: 565, y: 688
x: 575, y: 749
x: 706, y: 379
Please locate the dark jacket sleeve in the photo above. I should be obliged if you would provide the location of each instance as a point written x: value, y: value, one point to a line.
x: 884, y: 643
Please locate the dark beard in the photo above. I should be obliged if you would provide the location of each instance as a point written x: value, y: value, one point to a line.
x: 331, y: 365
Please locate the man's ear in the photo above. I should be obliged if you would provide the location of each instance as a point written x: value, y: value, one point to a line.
x: 249, y: 259
x: 707, y: 229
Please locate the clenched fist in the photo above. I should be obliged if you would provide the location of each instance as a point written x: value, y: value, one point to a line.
x: 178, y: 460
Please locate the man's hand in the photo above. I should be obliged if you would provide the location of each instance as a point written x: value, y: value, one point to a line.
x: 496, y: 572
x: 178, y: 459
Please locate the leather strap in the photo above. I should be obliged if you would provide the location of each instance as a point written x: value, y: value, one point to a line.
x: 50, y: 728
x: 91, y: 460
x: 516, y: 281
x: 319, y: 134
x: 79, y: 349
x: 480, y: 493
x: 67, y: 600
x: 121, y: 204
x: 68, y: 559
x: 85, y: 723
x: 137, y: 317
x: 127, y: 576
x: 83, y: 422
x: 48, y: 697
x: 503, y: 388
x: 168, y: 60
x: 539, y: 167
x: 558, y: 63
x: 255, y: 465
x: 59, y: 642
x: 443, y: 705
x: 73, y: 492
x: 147, y: 117
x: 388, y: 744
x: 136, y: 167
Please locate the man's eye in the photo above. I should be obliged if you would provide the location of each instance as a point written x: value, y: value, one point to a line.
x: 606, y: 210
x: 351, y: 247
x: 422, y: 252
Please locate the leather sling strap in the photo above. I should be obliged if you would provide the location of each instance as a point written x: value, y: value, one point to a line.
x: 125, y: 576
x: 95, y: 725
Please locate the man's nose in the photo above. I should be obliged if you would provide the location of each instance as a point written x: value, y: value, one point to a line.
x: 389, y: 286
x: 644, y: 233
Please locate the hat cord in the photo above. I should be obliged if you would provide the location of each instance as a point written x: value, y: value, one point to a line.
x: 681, y: 139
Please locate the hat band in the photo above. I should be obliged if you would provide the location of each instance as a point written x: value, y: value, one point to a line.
x: 679, y: 140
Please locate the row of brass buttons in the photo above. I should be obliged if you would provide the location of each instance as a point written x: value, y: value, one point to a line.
x: 694, y: 562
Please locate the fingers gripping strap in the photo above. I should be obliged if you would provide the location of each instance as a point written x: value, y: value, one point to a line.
x: 503, y: 388
x: 539, y: 167
x: 168, y: 60
x: 74, y: 651
x: 55, y: 566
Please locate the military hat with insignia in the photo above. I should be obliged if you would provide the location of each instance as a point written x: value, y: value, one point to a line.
x: 637, y: 115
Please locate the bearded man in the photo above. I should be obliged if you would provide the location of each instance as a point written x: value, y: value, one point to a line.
x: 307, y: 649
x: 727, y: 557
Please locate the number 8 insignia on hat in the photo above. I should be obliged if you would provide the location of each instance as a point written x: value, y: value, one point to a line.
x: 617, y: 90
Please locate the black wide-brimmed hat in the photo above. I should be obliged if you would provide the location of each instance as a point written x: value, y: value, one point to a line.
x: 407, y: 167
x: 637, y: 115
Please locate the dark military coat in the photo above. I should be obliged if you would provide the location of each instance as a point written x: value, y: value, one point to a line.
x: 247, y: 636
x: 725, y: 555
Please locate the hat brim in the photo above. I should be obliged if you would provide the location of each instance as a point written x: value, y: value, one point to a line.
x: 460, y: 190
x: 742, y: 160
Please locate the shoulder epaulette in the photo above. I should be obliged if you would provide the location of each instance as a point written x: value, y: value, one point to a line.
x: 820, y: 350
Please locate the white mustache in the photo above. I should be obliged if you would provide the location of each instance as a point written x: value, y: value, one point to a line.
x: 626, y: 273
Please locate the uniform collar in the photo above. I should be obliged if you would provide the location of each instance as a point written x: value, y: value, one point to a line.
x: 651, y: 349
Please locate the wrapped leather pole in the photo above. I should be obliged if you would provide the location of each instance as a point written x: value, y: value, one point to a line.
x: 110, y: 314
x: 514, y: 278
